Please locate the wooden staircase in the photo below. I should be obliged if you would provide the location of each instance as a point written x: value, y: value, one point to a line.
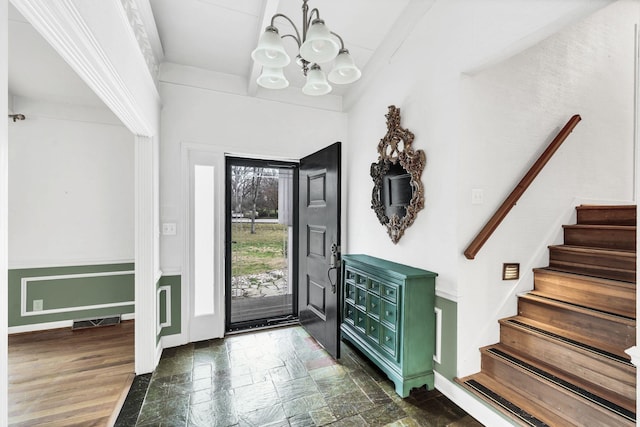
x: 561, y: 360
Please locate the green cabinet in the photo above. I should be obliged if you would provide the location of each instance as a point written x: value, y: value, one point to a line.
x: 388, y: 314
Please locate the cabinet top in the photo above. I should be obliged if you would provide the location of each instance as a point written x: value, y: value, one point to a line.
x: 386, y: 266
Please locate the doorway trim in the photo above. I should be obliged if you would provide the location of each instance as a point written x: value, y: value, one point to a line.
x: 4, y: 213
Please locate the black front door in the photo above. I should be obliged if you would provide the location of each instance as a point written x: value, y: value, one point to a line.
x: 319, y: 273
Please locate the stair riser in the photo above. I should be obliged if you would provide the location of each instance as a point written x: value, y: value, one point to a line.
x: 609, y: 238
x: 606, y: 215
x: 602, y: 372
x: 604, y: 331
x: 544, y: 393
x: 520, y: 402
x: 608, y: 266
x: 608, y: 297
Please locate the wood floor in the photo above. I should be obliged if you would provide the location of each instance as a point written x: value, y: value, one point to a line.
x: 69, y: 378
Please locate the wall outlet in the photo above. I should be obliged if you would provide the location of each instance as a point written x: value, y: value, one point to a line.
x: 169, y: 229
x: 37, y: 305
x: 477, y: 196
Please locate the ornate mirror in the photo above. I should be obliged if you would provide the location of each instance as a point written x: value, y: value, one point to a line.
x: 397, y: 194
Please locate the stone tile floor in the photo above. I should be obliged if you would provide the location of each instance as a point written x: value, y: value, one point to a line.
x: 282, y: 377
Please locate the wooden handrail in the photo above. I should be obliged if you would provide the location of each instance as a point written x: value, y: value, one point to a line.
x: 517, y: 192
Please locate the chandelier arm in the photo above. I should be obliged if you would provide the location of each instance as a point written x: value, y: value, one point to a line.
x: 339, y: 38
x: 293, y: 37
x: 309, y: 19
x: 317, y: 12
x: 273, y: 18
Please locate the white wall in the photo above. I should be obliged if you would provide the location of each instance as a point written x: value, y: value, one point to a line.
x: 480, y: 114
x: 71, y: 198
x: 235, y: 124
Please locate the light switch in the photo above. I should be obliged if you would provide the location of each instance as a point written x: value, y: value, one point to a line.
x: 169, y: 229
x: 477, y: 196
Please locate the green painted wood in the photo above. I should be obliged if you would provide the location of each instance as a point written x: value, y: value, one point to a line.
x: 448, y: 367
x: 175, y: 282
x: 388, y: 313
x: 70, y: 293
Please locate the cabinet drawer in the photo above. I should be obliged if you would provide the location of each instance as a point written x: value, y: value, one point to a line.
x: 361, y: 280
x: 373, y: 330
x: 390, y: 292
x: 389, y: 313
x: 350, y: 276
x: 360, y: 320
x: 350, y: 292
x: 349, y: 313
x: 374, y: 286
x: 388, y: 340
x: 373, y: 305
x: 361, y: 298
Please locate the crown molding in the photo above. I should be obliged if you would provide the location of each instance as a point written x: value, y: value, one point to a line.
x: 142, y: 23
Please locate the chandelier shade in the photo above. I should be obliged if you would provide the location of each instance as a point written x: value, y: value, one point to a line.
x: 320, y: 45
x: 270, y: 51
x: 344, y: 69
x: 316, y: 82
x: 273, y: 78
x: 316, y: 45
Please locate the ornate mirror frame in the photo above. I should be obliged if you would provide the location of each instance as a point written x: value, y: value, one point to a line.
x: 395, y: 152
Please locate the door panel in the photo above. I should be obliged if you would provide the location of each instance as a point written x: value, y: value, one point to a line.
x: 319, y: 231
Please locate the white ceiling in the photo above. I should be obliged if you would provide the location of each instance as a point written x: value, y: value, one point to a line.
x: 219, y: 35
x: 214, y: 35
x: 37, y: 71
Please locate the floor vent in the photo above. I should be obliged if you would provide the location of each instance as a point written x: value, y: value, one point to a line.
x: 94, y: 323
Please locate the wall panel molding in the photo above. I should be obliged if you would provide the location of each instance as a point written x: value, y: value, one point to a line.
x: 24, y: 291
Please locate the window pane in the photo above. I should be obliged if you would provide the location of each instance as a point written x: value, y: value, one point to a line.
x: 203, y: 240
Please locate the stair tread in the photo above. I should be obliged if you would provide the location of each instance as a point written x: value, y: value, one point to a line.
x: 593, y: 279
x: 510, y: 402
x: 604, y: 271
x: 588, y: 249
x: 564, y: 388
x: 608, y: 295
x: 612, y: 207
x: 554, y: 296
x: 600, y: 226
x: 577, y: 308
x: 575, y: 339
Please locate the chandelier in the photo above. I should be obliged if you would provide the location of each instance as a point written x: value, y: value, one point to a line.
x: 316, y: 45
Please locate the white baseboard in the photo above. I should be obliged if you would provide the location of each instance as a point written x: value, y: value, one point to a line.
x: 128, y: 316
x: 174, y: 340
x: 470, y: 404
x: 158, y: 353
x: 54, y: 325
